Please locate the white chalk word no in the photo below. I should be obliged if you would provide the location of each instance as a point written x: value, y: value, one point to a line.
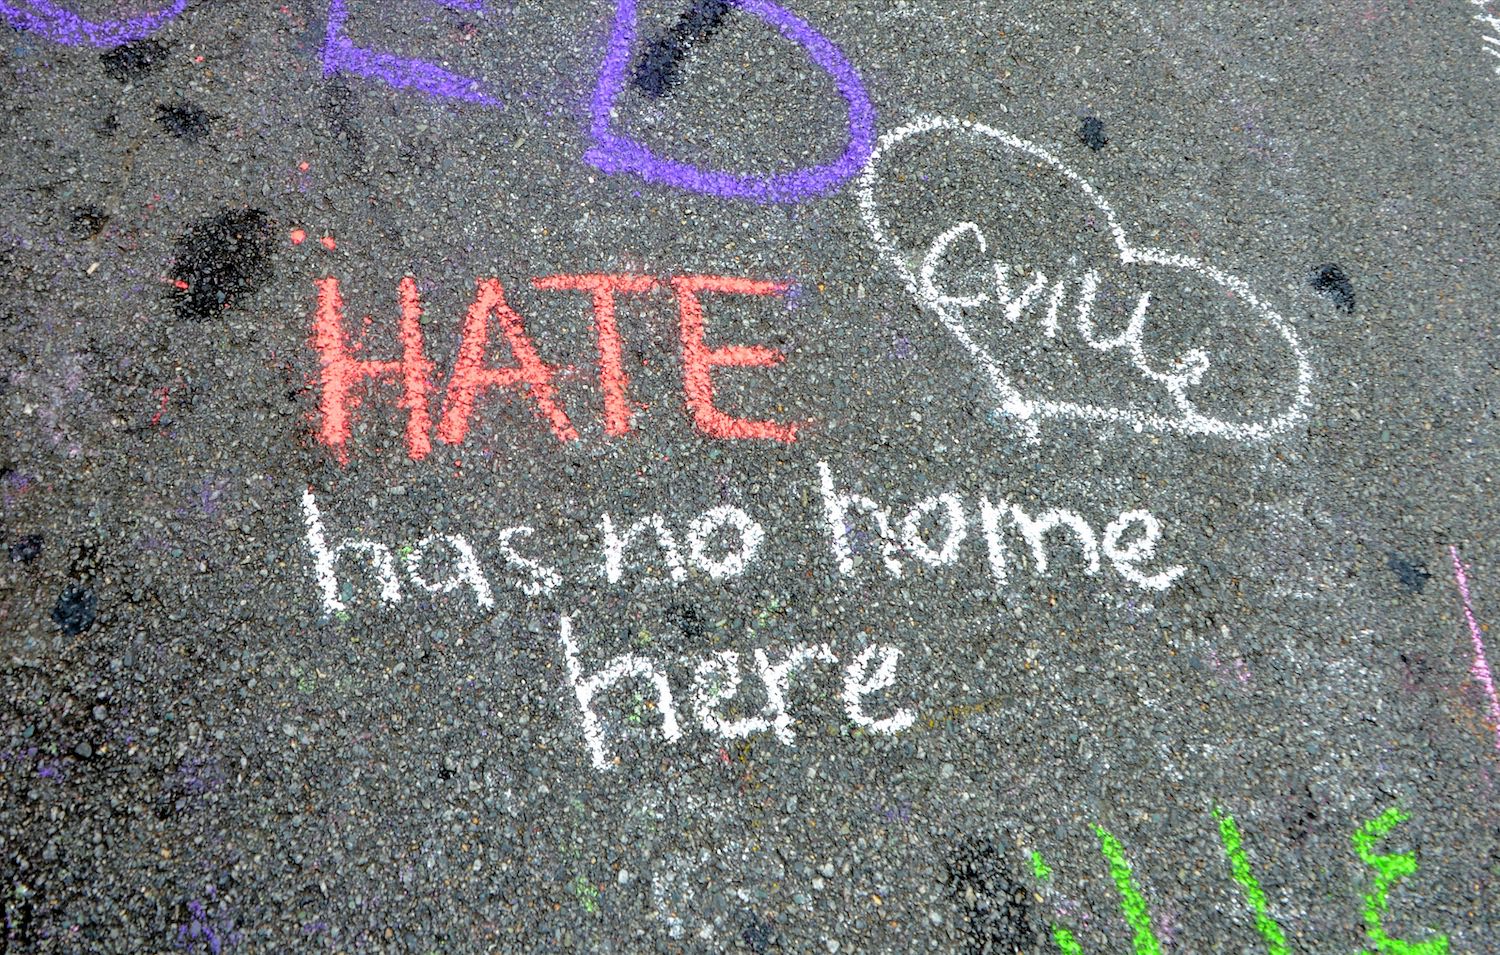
x: 722, y: 543
x: 1064, y: 307
x: 717, y: 680
x: 1128, y: 541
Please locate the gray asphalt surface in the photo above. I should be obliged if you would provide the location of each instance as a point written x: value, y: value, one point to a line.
x: 212, y: 742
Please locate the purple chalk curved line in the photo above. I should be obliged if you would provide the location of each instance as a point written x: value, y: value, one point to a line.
x: 615, y: 154
x: 69, y: 29
x: 340, y: 53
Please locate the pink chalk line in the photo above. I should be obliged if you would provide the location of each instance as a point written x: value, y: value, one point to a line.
x: 1481, y: 666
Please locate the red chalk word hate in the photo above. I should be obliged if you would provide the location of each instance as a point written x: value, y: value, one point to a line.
x: 344, y: 377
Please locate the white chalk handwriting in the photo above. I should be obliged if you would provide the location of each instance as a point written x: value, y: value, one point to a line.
x: 1491, y: 22
x: 716, y: 681
x: 725, y: 542
x: 1014, y: 291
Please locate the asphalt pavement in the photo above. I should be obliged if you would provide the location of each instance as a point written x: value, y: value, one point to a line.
x: 729, y: 476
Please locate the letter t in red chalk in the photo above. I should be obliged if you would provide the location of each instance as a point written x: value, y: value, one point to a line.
x: 341, y: 371
x: 698, y: 360
x: 471, y: 377
x: 613, y: 378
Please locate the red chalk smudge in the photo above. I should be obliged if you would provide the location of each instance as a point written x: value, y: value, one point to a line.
x: 328, y: 243
x: 299, y: 236
x: 1480, y: 669
x: 165, y: 394
x: 304, y: 165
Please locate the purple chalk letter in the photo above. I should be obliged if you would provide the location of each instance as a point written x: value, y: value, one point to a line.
x: 613, y: 153
x: 340, y: 53
x: 63, y: 26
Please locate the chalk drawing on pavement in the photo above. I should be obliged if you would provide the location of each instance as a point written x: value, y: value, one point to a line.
x: 610, y: 151
x: 63, y: 26
x: 341, y: 54
x: 1147, y: 939
x: 709, y: 692
x: 1492, y: 23
x: 1177, y: 383
x: 615, y: 153
x: 1480, y: 668
x: 344, y: 376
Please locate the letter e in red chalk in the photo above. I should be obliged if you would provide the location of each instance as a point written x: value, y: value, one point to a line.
x: 341, y: 371
x: 471, y: 377
x: 698, y: 360
x: 613, y: 379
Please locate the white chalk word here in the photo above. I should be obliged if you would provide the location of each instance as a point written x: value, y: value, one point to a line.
x: 717, y: 680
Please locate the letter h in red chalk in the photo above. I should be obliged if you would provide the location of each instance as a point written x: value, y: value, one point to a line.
x: 341, y: 371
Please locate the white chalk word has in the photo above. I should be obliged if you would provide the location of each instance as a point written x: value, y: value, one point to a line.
x: 716, y: 682
x: 1172, y: 394
x: 452, y: 552
x: 1128, y: 541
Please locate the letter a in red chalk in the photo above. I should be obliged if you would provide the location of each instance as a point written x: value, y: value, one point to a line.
x: 698, y: 360
x: 342, y: 371
x: 612, y: 376
x: 471, y: 377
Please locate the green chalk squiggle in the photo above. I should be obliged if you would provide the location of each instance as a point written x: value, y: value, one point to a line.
x: 1043, y: 872
x: 1239, y: 866
x: 1388, y: 868
x: 1137, y: 915
x: 1066, y: 943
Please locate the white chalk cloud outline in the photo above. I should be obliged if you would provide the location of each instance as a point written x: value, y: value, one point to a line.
x: 1029, y: 411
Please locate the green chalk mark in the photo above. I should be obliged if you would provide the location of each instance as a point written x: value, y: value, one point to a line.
x: 1043, y: 873
x: 587, y: 894
x: 1239, y: 866
x: 1066, y: 943
x: 1388, y: 869
x: 1137, y: 916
